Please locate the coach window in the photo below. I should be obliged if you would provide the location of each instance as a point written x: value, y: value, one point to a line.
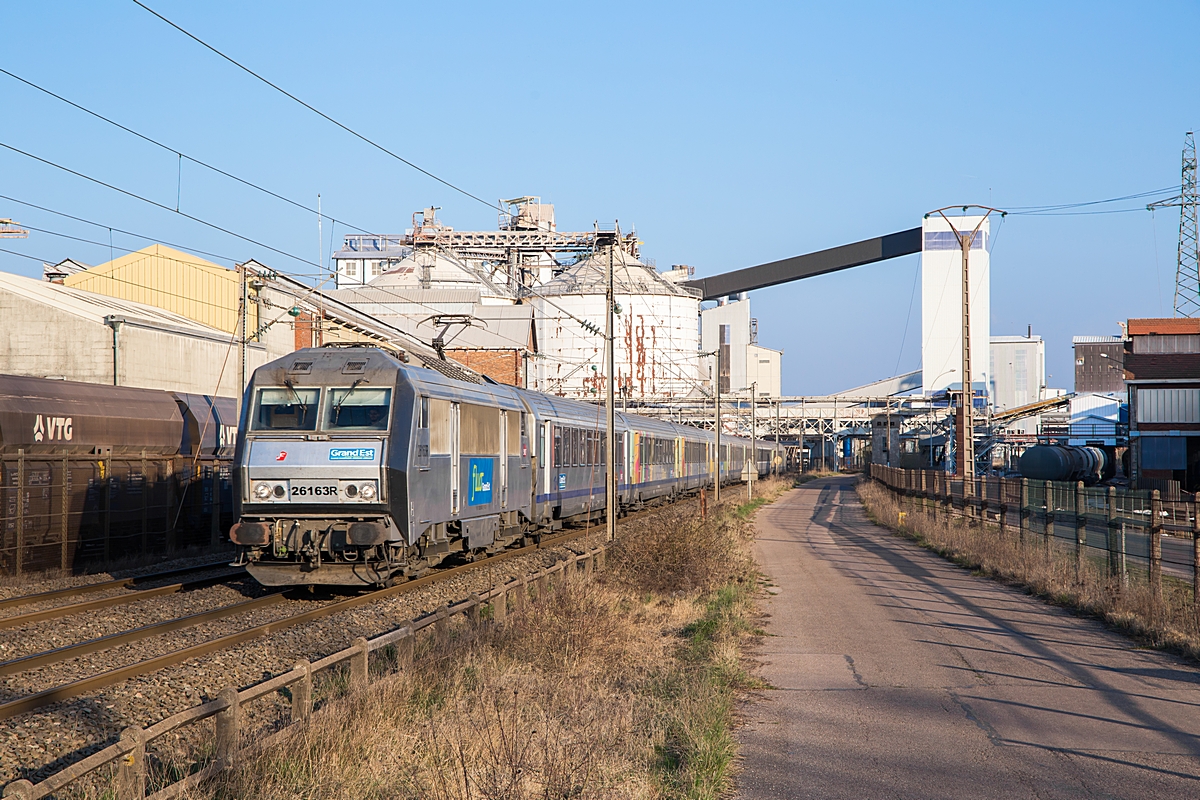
x: 480, y: 429
x: 558, y: 446
x: 423, y: 413
x: 359, y: 409
x: 286, y: 409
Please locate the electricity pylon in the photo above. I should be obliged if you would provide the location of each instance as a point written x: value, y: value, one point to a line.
x: 1187, y: 270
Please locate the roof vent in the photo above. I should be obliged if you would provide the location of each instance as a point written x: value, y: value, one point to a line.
x: 354, y: 367
x: 301, y: 367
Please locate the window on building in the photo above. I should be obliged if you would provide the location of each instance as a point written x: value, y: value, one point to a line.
x: 376, y: 269
x: 351, y: 268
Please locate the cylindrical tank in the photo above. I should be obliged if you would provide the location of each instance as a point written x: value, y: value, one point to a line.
x: 1046, y: 462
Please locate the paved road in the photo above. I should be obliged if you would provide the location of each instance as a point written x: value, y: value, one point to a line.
x: 898, y: 675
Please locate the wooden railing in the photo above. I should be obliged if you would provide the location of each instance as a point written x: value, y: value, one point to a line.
x: 129, y: 752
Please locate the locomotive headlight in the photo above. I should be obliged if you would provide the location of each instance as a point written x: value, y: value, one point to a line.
x: 367, y: 491
x: 262, y: 491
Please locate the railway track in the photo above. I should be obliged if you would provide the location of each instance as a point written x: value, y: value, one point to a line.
x: 146, y: 666
x: 119, y: 583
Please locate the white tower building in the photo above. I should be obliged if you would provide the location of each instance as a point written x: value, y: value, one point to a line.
x: 941, y: 303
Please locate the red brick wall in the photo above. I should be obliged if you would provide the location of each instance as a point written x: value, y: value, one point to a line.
x: 502, y: 366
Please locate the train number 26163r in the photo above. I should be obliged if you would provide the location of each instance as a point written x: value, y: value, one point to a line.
x: 315, y: 491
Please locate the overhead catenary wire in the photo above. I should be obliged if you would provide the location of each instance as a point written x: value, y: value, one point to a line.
x: 157, y: 204
x: 317, y: 111
x: 180, y: 155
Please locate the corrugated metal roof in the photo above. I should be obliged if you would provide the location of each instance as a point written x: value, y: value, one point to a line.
x: 1150, y: 326
x: 1096, y: 339
x: 173, y: 280
x: 92, y: 305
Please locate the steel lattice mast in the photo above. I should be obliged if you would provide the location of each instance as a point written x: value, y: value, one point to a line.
x: 1187, y: 270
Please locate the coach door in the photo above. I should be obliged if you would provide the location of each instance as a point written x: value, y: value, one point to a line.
x: 455, y: 457
x: 504, y: 453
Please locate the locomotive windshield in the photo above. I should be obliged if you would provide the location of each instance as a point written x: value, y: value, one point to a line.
x: 358, y: 409
x: 286, y: 409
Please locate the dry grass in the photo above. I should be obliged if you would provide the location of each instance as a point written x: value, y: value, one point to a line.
x: 1050, y: 572
x: 620, y: 686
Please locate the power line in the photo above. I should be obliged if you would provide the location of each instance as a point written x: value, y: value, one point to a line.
x: 317, y: 111
x: 1064, y: 206
x: 181, y: 155
x: 157, y: 204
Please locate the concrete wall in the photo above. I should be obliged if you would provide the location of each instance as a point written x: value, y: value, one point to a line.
x: 43, y: 341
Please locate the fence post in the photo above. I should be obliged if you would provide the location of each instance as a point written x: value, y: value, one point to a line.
x: 1156, y: 545
x: 587, y: 565
x: 406, y: 647
x: 1049, y: 512
x: 131, y: 767
x: 1002, y: 492
x: 1110, y: 517
x: 441, y: 623
x: 599, y: 558
x: 1080, y: 528
x: 66, y: 509
x: 19, y: 559
x: 18, y: 790
x: 214, y: 527
x: 1023, y: 514
x: 105, y: 468
x: 473, y: 609
x: 227, y: 728
x: 1196, y: 559
x: 302, y: 693
x: 500, y: 604
x: 145, y: 505
x: 360, y: 664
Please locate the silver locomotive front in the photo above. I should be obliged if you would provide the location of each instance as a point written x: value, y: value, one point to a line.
x: 314, y: 447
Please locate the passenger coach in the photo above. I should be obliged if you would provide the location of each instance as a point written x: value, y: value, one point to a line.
x: 355, y: 467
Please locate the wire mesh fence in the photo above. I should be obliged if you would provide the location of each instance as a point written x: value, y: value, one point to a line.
x: 1137, y: 535
x: 66, y: 511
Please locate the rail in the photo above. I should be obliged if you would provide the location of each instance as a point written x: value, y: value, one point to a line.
x: 129, y: 751
x: 1135, y: 528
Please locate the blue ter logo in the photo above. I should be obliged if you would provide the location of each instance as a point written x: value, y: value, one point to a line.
x: 479, y: 491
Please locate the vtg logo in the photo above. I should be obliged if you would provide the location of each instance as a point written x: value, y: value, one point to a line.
x: 53, y: 429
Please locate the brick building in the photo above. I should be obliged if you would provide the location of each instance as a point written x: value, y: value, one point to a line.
x: 1162, y: 374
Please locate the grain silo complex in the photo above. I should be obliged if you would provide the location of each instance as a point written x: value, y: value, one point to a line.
x: 656, y: 331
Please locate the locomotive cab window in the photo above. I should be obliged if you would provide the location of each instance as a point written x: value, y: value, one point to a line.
x: 286, y: 409
x: 358, y: 409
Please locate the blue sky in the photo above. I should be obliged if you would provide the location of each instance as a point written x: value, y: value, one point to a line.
x: 728, y: 135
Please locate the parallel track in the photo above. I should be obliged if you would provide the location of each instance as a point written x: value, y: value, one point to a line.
x: 84, y: 685
x: 116, y: 600
x: 120, y: 583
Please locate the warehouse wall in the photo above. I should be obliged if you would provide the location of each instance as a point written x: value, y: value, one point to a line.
x: 43, y: 341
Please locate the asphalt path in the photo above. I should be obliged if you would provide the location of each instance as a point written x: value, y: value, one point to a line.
x: 896, y: 674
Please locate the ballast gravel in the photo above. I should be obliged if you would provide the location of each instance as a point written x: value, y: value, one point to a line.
x: 42, y: 742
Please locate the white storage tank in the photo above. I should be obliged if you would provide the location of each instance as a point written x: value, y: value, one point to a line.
x: 656, y: 332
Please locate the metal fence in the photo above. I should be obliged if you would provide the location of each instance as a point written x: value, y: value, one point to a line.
x: 61, y: 512
x: 1129, y: 530
x: 129, y: 754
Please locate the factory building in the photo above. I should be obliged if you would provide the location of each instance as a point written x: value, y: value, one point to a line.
x: 656, y: 333
x: 1017, y: 371
x: 54, y: 331
x: 744, y: 361
x: 1162, y: 375
x: 942, y: 300
x: 204, y: 300
x: 1099, y: 364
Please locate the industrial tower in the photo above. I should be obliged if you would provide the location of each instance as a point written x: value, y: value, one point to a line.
x: 1187, y: 270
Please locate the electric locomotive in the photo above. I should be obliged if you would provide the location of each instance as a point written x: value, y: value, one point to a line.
x: 355, y: 467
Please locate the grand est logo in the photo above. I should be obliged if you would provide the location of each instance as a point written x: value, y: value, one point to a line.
x: 51, y: 429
